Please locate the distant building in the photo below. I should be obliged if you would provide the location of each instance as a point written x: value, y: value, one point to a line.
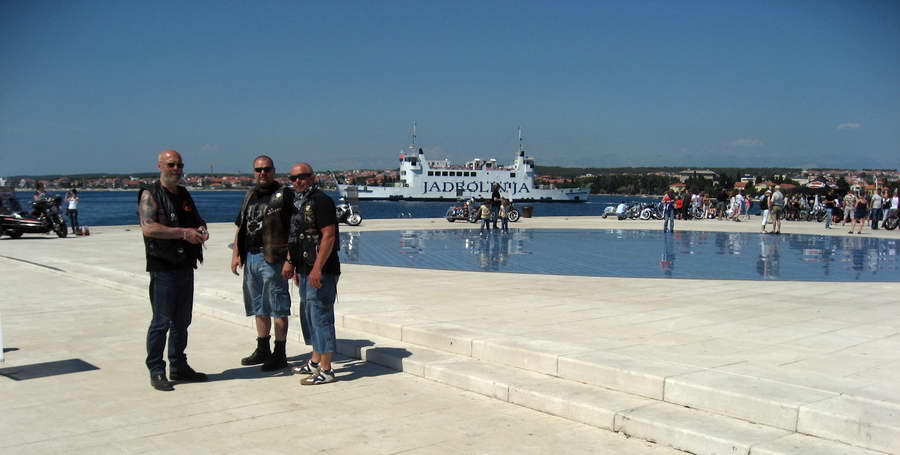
x: 703, y: 173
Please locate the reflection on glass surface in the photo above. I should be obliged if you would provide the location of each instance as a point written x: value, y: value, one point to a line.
x: 631, y: 253
x: 768, y: 262
x: 667, y: 259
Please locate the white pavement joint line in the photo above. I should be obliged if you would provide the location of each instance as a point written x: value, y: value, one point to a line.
x: 663, y: 392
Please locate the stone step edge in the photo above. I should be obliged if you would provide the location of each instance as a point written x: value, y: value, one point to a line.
x: 765, y: 409
x: 536, y: 391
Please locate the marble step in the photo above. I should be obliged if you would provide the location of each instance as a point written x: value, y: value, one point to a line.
x: 691, y: 430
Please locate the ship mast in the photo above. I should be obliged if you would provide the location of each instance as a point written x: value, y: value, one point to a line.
x: 521, y: 144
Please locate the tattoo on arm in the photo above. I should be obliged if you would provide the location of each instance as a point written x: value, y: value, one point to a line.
x: 148, y: 209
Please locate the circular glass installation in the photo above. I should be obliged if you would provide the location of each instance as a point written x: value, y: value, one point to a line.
x: 631, y: 254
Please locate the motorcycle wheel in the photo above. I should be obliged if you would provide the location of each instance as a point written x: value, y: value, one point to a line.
x: 61, y: 230
x: 513, y: 215
x: 14, y: 234
x: 891, y: 223
x: 354, y: 220
x: 473, y: 218
x: 645, y: 214
x: 820, y: 217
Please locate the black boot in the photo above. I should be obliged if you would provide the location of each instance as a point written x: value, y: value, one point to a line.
x: 278, y: 360
x: 261, y: 354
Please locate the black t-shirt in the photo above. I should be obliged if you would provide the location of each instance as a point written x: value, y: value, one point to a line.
x: 721, y: 197
x: 829, y: 201
x: 324, y: 214
x: 185, y: 216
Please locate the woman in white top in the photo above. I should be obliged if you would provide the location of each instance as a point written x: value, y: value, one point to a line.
x: 895, y: 202
x: 72, y: 199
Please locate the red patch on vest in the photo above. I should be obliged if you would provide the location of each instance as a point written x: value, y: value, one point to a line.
x: 185, y: 206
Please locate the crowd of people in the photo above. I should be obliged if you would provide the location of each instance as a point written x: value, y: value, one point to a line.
x: 857, y: 208
x: 282, y: 234
x: 496, y: 209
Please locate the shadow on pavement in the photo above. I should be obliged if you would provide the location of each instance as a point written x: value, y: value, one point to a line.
x: 346, y: 368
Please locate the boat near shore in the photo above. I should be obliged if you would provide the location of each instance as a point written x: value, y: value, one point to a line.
x: 422, y: 179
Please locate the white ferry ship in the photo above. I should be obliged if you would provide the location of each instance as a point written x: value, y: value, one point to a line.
x: 425, y: 180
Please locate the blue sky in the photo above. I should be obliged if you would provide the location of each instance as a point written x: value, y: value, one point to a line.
x: 105, y: 85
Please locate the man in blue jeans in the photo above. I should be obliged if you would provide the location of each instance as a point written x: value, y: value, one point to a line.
x: 313, y: 244
x: 829, y: 209
x: 173, y: 233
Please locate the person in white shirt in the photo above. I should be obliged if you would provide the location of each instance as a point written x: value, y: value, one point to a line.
x: 764, y: 206
x: 875, y: 213
x: 895, y: 203
x: 73, y: 199
x: 737, y: 205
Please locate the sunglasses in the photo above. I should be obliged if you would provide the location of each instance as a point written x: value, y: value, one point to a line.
x: 263, y: 169
x: 302, y: 175
x: 179, y: 165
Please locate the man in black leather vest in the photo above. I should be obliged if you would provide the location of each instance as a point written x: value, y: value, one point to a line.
x: 260, y: 247
x: 314, y: 243
x: 173, y: 234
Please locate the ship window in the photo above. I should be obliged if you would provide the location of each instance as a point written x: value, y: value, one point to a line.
x: 474, y: 174
x: 431, y: 173
x: 402, y: 172
x: 465, y: 174
x: 512, y: 174
x: 412, y: 161
x: 444, y: 173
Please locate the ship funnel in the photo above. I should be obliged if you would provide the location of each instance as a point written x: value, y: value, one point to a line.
x: 421, y: 152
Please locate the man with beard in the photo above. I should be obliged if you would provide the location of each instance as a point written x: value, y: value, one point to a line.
x: 260, y: 246
x: 173, y: 233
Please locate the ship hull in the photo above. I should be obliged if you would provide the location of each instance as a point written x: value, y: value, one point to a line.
x: 436, y: 193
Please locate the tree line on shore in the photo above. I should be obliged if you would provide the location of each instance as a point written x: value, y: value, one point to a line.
x: 649, y: 180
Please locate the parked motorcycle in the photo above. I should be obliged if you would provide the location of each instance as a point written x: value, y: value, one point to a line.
x: 44, y: 218
x: 466, y: 210
x: 890, y: 223
x: 469, y: 211
x: 817, y: 212
x: 652, y: 210
x: 346, y: 213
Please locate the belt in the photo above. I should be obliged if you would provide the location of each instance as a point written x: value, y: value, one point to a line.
x: 255, y: 250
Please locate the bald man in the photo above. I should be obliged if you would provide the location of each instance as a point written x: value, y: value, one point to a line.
x: 173, y: 234
x: 313, y: 246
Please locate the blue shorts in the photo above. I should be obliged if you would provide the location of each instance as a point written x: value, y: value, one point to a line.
x: 265, y: 290
x: 317, y: 313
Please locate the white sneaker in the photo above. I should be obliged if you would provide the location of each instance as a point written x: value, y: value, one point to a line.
x: 322, y: 377
x: 306, y: 368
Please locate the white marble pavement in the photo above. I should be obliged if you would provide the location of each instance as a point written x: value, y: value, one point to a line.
x: 701, y: 365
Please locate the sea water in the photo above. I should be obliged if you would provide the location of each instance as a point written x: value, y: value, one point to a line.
x: 117, y: 208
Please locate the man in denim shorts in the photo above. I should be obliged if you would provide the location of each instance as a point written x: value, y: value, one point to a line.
x: 314, y: 265
x: 260, y: 246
